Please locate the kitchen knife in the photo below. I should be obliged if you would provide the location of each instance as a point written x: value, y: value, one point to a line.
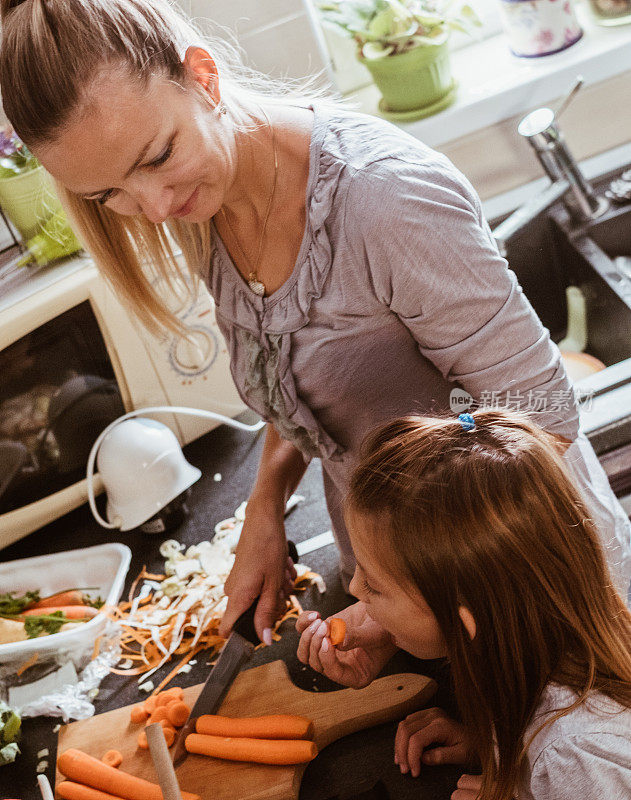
x: 235, y: 654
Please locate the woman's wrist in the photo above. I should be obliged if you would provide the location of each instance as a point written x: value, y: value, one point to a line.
x: 269, y: 504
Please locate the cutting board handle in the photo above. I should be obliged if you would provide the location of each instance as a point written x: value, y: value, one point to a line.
x: 346, y: 711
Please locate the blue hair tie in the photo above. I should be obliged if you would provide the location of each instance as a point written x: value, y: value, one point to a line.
x: 467, y: 422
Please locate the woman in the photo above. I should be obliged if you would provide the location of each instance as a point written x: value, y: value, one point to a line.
x: 354, y: 276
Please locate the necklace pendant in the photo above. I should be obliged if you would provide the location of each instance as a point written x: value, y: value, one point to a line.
x: 255, y: 285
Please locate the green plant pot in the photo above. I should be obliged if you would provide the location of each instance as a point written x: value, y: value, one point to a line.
x: 418, y: 80
x: 29, y: 200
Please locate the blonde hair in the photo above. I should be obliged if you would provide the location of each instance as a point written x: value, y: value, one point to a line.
x: 60, y: 46
x: 491, y: 520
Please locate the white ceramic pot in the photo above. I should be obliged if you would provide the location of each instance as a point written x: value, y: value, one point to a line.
x: 539, y: 27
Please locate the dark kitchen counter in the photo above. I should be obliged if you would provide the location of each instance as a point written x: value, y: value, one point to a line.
x: 347, y: 767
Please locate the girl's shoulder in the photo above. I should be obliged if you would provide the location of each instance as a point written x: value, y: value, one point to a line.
x: 585, y: 753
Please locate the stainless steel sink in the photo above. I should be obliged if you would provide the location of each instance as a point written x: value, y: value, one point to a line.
x: 552, y: 253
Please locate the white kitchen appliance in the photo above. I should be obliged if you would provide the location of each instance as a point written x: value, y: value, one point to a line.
x: 73, y: 359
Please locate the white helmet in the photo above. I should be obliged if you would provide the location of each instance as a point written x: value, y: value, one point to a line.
x: 142, y: 468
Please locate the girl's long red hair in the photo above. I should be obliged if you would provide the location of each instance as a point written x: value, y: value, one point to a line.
x: 491, y: 519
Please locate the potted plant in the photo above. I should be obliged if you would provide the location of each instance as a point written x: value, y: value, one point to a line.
x: 405, y: 45
x: 28, y: 198
x: 26, y: 192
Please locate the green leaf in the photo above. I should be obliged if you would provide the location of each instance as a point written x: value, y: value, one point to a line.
x: 9, y: 733
x: 11, y: 604
x: 10, y: 724
x: 433, y: 39
x: 396, y: 21
x: 44, y: 623
x: 373, y: 51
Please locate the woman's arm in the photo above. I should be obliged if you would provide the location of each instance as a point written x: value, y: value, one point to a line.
x: 434, y: 263
x: 262, y: 567
x: 280, y: 471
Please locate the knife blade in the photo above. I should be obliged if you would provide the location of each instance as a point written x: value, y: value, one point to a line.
x: 236, y: 652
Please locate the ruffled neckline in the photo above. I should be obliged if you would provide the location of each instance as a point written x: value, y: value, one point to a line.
x: 287, y: 309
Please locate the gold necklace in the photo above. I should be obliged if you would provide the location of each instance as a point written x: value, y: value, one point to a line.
x: 257, y: 286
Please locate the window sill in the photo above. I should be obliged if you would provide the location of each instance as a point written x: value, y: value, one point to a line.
x: 494, y: 85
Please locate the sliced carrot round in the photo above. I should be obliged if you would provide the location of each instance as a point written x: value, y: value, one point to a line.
x: 113, y: 758
x: 138, y: 714
x: 178, y: 713
x: 162, y: 699
x: 150, y: 704
x: 159, y: 714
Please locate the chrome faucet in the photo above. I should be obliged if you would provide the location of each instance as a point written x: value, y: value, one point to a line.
x: 541, y: 131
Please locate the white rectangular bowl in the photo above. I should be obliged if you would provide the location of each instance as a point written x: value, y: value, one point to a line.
x: 103, y: 566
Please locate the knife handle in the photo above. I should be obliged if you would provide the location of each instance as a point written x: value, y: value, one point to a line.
x: 293, y: 551
x: 244, y: 626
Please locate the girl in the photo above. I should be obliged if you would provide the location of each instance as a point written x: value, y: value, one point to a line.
x: 472, y: 542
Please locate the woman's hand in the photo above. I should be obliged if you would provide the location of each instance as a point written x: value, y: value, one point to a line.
x: 430, y: 737
x: 261, y: 567
x: 366, y: 648
x: 469, y: 788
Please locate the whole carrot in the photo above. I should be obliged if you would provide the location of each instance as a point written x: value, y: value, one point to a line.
x: 271, y: 726
x: 70, y: 597
x: 82, y: 768
x: 257, y: 751
x: 72, y: 612
x: 77, y: 791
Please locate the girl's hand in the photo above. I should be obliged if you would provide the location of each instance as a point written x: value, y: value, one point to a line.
x: 469, y: 788
x: 261, y: 567
x: 366, y: 648
x: 431, y: 737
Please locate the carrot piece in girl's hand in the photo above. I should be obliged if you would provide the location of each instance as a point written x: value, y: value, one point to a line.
x: 271, y: 726
x: 138, y: 714
x: 177, y: 713
x: 113, y: 758
x: 337, y: 631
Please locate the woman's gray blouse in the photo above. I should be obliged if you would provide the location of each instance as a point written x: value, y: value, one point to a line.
x: 398, y: 296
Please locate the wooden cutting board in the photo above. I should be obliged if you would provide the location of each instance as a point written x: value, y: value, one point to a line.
x: 262, y: 690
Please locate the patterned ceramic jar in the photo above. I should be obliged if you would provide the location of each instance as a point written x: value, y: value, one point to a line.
x: 539, y: 27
